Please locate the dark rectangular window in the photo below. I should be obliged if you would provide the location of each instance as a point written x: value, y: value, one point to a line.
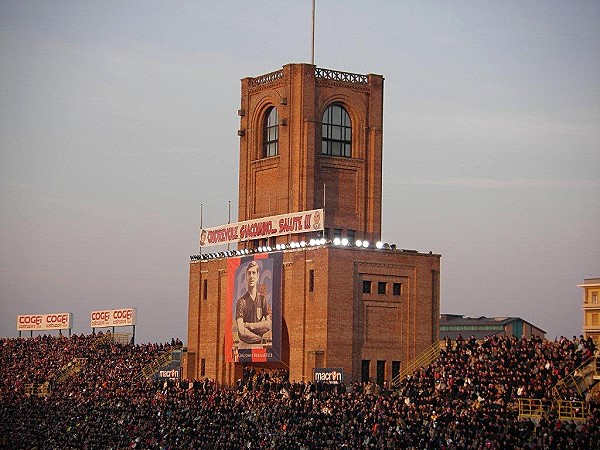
x: 202, y: 367
x: 366, y: 287
x: 205, y: 289
x: 395, y: 369
x: 326, y: 233
x: 397, y: 289
x: 351, y: 235
x: 380, y: 372
x: 381, y: 287
x: 337, y: 232
x: 311, y: 280
x: 365, y: 369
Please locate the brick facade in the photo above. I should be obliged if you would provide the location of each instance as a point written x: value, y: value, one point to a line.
x: 294, y: 179
x: 336, y: 323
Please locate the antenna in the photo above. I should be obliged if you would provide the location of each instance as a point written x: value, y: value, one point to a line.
x: 228, y: 217
x: 199, y: 241
x: 324, y: 197
x: 312, y: 59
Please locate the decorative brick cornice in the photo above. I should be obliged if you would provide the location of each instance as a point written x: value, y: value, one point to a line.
x: 266, y: 78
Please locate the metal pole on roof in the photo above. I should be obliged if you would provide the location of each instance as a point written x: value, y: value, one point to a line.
x: 312, y: 59
x: 324, y: 196
x: 199, y: 243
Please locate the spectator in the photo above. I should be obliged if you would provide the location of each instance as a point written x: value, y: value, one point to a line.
x: 464, y: 401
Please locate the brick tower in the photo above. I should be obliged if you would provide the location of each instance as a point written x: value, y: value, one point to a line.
x: 311, y: 140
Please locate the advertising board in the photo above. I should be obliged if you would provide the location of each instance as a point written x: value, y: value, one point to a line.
x: 43, y: 322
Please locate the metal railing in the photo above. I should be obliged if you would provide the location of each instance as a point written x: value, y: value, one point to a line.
x: 328, y: 74
x: 68, y: 370
x: 566, y: 409
x: 266, y: 78
x: 149, y: 370
x: 323, y: 74
x: 581, y: 380
x: 422, y: 360
x: 38, y: 389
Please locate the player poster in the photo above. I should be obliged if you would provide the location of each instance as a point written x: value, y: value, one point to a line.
x: 253, y: 314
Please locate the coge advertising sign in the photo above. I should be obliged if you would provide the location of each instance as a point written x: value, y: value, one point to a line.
x: 41, y: 322
x: 113, y: 318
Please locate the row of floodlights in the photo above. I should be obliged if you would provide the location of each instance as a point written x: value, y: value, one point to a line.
x: 343, y: 242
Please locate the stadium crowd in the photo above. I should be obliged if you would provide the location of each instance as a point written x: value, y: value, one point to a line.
x: 464, y: 400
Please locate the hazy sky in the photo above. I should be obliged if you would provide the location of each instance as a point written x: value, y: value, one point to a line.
x: 118, y: 119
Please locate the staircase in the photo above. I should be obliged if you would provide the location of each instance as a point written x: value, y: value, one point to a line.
x: 66, y: 371
x: 423, y: 360
x: 149, y: 370
x: 582, y: 380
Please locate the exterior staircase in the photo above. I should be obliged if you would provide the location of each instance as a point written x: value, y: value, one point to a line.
x: 422, y: 360
x: 582, y: 380
x: 149, y: 370
x: 68, y: 370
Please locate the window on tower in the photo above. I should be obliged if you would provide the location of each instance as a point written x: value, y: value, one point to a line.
x: 271, y: 133
x: 336, y: 132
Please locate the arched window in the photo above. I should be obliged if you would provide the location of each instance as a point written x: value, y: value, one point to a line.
x: 270, y: 144
x: 336, y: 132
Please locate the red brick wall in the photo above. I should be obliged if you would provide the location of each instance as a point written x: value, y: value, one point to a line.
x: 336, y: 324
x: 293, y: 180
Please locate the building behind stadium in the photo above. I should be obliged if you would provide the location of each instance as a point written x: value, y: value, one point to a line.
x: 591, y: 309
x: 309, y: 214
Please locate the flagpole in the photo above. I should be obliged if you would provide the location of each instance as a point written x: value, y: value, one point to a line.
x: 312, y: 59
x: 228, y: 218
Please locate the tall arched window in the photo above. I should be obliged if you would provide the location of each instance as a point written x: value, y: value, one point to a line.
x: 270, y: 144
x: 336, y: 132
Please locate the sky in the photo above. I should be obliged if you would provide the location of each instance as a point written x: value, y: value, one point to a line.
x: 118, y: 119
